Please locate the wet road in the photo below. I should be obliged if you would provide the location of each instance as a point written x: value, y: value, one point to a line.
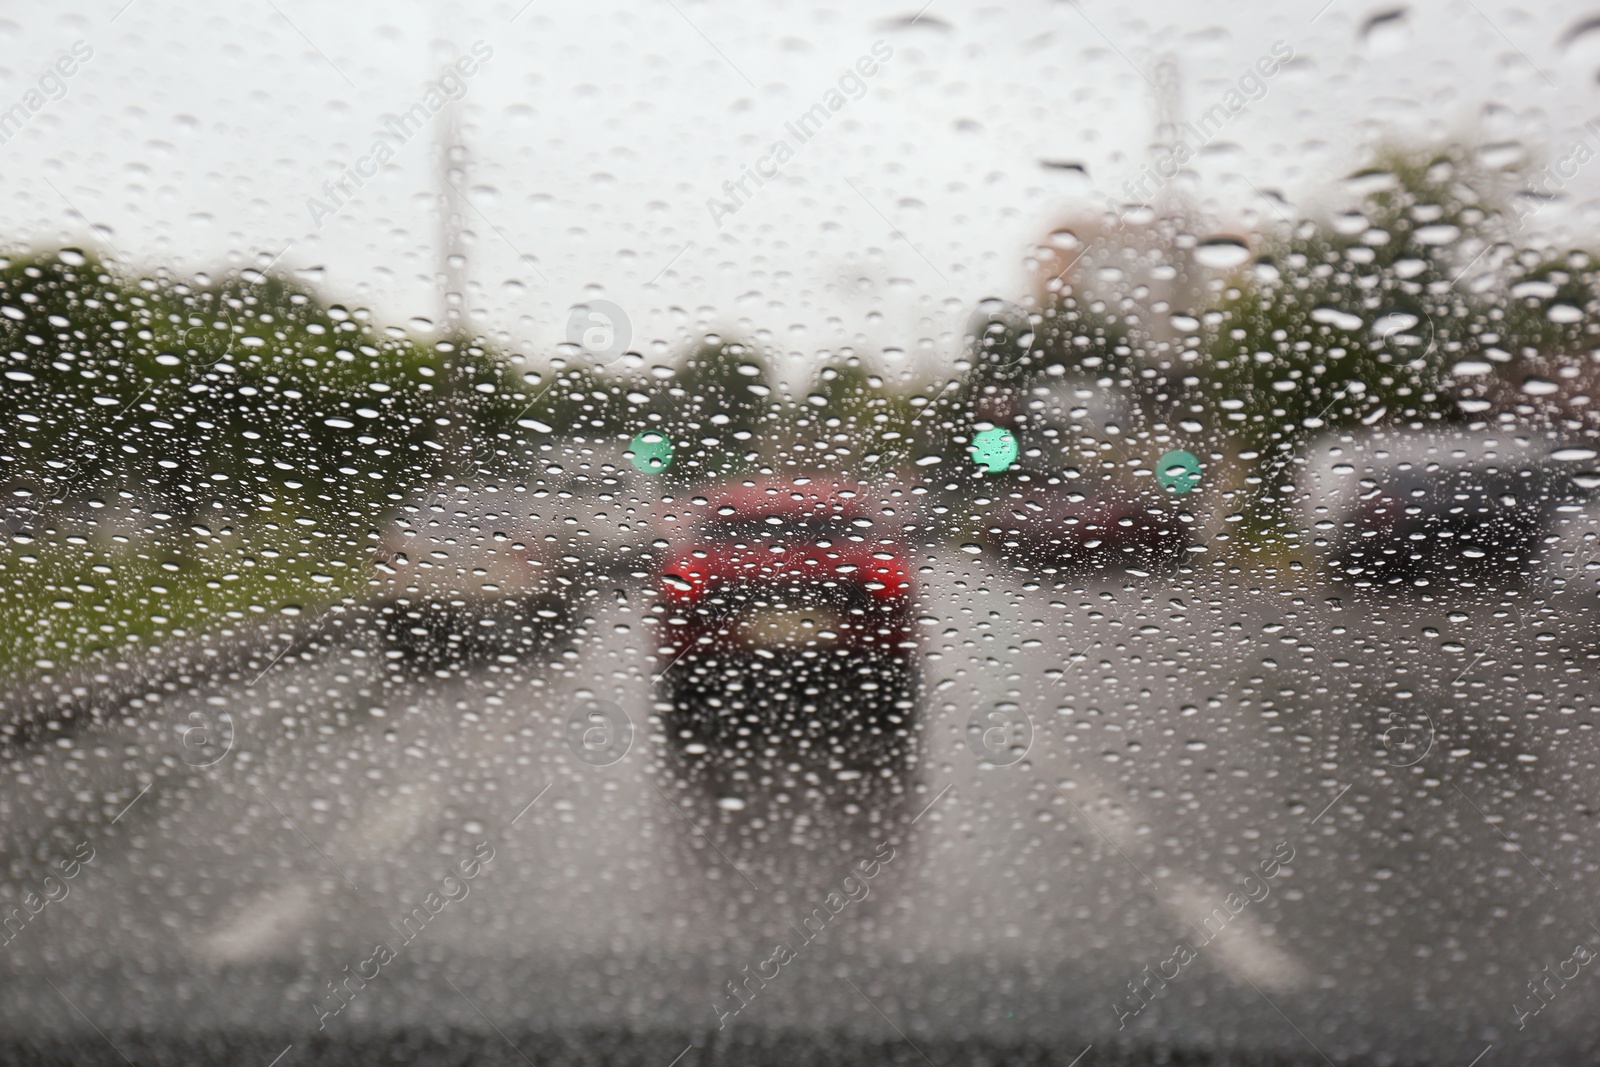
x: 1370, y: 822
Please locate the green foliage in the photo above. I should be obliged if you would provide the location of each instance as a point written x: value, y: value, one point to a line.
x: 1524, y: 323
x: 1354, y: 322
x: 536, y: 417
x: 847, y: 398
x: 66, y: 596
x: 197, y: 395
x: 714, y: 409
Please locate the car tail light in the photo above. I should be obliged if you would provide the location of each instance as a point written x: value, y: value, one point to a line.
x: 887, y: 580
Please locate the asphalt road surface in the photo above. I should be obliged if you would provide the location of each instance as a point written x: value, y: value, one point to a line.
x: 1368, y: 822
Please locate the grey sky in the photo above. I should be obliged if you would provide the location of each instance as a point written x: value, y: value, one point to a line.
x: 599, y: 131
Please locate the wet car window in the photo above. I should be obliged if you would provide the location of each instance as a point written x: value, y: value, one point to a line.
x: 679, y: 534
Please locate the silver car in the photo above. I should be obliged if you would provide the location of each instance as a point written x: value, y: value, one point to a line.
x: 496, y: 567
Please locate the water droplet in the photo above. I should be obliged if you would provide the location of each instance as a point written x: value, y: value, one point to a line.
x: 1502, y: 154
x: 1582, y: 34
x: 1369, y: 182
x: 1439, y: 233
x: 1386, y: 32
x: 1395, y: 320
x: 1222, y: 253
x: 1341, y: 320
x: 1564, y: 313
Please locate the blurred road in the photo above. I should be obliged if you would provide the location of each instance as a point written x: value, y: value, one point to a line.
x: 1429, y: 766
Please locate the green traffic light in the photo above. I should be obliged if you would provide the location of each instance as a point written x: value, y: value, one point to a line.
x: 1178, y: 471
x: 994, y: 449
x: 651, y: 451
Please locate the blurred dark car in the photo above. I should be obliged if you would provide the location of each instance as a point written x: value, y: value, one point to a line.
x: 785, y: 602
x: 1049, y: 520
x: 1428, y: 509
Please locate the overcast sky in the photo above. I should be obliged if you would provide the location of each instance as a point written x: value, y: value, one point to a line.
x: 196, y: 133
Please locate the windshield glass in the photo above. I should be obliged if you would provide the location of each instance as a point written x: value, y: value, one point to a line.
x: 683, y: 534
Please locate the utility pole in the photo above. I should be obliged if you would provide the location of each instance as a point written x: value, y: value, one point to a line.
x: 1168, y: 101
x: 452, y: 251
x: 451, y: 277
x: 1168, y: 204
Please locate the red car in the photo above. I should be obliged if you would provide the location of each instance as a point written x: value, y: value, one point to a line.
x: 784, y: 579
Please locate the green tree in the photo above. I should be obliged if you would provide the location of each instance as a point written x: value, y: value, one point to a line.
x: 1358, y: 322
x: 714, y: 409
x: 193, y: 394
x: 80, y: 343
x: 847, y: 399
